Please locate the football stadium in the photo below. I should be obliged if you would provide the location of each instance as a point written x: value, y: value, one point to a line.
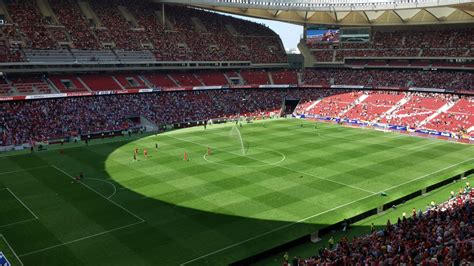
x: 185, y: 132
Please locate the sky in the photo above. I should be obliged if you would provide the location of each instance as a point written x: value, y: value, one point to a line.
x: 290, y: 34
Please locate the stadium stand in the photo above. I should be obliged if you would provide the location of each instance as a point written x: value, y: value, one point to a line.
x: 454, y: 43
x: 129, y: 30
x: 413, y: 110
x: 458, y: 80
x: 27, y: 121
x: 456, y: 118
x: 109, y: 112
x: 100, y: 82
x: 418, y: 108
x: 212, y: 78
x: 374, y: 106
x: 255, y: 77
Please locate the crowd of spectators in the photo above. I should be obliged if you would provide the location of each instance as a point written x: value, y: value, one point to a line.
x: 387, y: 107
x: 70, y: 16
x: 27, y: 121
x: 175, y: 33
x: 30, y: 22
x: 458, y: 118
x: 458, y: 80
x: 419, y: 107
x: 401, y: 43
x: 442, y: 235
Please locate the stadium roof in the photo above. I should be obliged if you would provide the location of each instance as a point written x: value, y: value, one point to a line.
x: 346, y: 12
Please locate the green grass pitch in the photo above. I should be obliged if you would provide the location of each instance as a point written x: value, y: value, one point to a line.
x: 212, y: 209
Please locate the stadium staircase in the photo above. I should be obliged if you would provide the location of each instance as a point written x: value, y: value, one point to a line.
x: 89, y: 13
x: 312, y: 105
x: 119, y: 83
x: 147, y: 83
x: 167, y: 23
x: 128, y: 16
x: 198, y: 25
x: 395, y: 107
x: 230, y: 28
x: 270, y: 78
x: 174, y: 81
x: 148, y: 125
x: 360, y: 100
x: 444, y: 109
x: 84, y: 84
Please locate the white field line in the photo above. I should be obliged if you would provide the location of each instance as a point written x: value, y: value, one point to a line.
x: 22, y: 203
x: 10, y: 247
x: 318, y: 214
x: 23, y: 170
x: 108, y: 182
x: 20, y: 222
x: 80, y: 239
x: 423, y: 145
x: 287, y: 168
x: 98, y: 193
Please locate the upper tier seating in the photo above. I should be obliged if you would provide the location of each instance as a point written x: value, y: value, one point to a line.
x: 135, y: 31
x: 458, y: 80
x: 402, y: 43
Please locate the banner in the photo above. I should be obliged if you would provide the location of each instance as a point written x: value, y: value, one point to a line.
x: 207, y: 88
x: 426, y: 89
x: 267, y: 86
x: 347, y: 87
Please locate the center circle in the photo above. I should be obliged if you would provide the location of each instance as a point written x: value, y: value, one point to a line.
x: 255, y: 157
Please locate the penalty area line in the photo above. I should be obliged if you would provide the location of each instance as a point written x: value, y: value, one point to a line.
x: 318, y: 214
x: 22, y: 203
